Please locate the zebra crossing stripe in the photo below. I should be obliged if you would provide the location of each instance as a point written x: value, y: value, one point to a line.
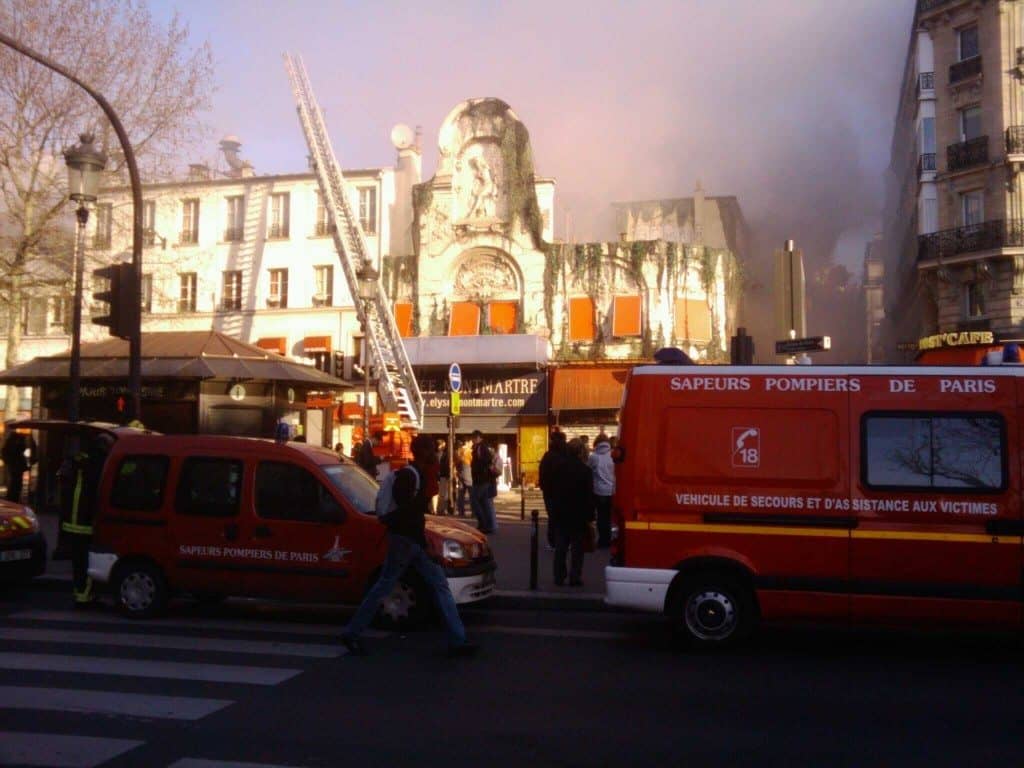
x: 240, y: 625
x: 175, y: 642
x: 108, y: 703
x: 60, y: 751
x: 179, y: 670
x: 192, y: 762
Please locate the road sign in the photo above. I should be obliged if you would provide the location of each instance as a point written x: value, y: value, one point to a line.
x: 456, y: 404
x: 795, y: 346
x: 455, y: 377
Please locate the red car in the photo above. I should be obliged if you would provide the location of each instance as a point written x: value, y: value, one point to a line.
x: 22, y: 544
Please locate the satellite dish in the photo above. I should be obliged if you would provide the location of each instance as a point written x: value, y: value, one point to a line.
x: 402, y: 136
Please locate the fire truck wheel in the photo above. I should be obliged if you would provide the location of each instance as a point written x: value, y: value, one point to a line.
x: 141, y: 590
x: 407, y: 607
x: 715, y: 610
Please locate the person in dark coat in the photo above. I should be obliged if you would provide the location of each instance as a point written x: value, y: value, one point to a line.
x: 15, y: 461
x: 551, y: 465
x: 573, y: 497
x: 367, y: 460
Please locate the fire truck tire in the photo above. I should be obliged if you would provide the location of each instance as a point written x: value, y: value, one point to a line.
x: 407, y: 607
x: 714, y: 610
x: 141, y: 589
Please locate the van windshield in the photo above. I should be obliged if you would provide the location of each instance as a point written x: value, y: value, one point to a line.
x: 357, y: 486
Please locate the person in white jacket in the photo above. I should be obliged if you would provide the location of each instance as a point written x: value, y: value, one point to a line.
x: 603, y: 469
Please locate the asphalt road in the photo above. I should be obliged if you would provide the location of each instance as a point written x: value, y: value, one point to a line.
x: 257, y: 683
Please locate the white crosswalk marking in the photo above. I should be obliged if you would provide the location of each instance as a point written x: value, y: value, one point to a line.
x: 60, y: 751
x: 108, y: 703
x: 181, y: 670
x: 182, y: 643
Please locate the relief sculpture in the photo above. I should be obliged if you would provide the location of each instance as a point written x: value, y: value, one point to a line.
x: 485, y: 275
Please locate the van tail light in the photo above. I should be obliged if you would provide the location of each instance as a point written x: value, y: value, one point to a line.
x: 618, y: 546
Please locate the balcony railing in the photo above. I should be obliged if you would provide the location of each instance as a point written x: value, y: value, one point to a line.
x: 925, y: 82
x: 324, y: 228
x: 278, y: 231
x: 986, y: 236
x: 1015, y: 140
x: 233, y: 234
x: 926, y: 162
x: 186, y: 306
x: 964, y: 69
x: 967, y: 153
x: 188, y: 237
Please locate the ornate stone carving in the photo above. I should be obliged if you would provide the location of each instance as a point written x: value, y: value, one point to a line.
x: 485, y: 274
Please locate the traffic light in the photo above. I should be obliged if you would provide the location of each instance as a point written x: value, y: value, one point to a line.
x: 123, y: 298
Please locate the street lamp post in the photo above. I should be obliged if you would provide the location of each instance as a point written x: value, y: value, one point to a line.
x: 367, y: 277
x: 85, y: 164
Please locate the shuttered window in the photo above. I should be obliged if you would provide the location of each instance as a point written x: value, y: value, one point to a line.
x: 465, y: 319
x: 403, y: 318
x: 581, y: 319
x: 501, y: 316
x: 693, y: 320
x: 626, y: 316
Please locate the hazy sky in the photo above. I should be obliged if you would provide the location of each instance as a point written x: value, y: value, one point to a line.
x: 787, y: 104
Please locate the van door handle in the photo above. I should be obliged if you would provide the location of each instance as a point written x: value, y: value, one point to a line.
x: 261, y: 532
x: 231, y: 531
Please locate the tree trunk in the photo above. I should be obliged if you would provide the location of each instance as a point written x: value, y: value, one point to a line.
x: 13, y: 342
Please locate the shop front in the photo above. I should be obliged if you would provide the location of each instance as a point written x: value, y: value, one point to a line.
x: 585, y: 398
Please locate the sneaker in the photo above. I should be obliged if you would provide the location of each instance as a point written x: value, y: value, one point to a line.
x: 464, y: 651
x: 354, y: 645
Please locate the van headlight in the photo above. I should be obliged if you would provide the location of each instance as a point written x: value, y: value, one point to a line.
x: 452, y: 550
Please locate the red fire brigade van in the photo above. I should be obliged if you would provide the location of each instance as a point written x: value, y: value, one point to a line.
x: 214, y: 516
x: 888, y: 495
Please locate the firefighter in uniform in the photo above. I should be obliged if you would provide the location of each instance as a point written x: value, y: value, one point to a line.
x: 81, y: 475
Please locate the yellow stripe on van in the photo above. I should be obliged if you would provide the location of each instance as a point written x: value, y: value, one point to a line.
x: 830, y: 533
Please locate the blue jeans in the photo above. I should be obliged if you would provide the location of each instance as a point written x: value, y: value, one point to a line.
x: 482, y: 504
x: 403, y: 552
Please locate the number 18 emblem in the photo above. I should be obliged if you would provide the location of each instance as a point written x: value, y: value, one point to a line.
x: 746, y: 447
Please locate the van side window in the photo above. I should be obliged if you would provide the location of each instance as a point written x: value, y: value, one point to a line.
x: 139, y: 483
x: 928, y: 451
x: 209, y: 487
x: 289, y: 492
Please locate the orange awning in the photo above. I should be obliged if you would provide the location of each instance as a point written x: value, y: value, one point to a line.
x: 316, y: 344
x: 588, y: 389
x: 278, y: 344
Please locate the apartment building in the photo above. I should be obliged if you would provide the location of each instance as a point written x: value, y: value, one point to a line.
x: 953, y: 241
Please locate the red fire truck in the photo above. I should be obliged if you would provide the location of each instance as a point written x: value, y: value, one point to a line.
x: 846, y: 494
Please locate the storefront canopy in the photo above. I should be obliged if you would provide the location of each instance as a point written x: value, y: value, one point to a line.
x: 592, y: 388
x: 497, y: 349
x: 175, y: 355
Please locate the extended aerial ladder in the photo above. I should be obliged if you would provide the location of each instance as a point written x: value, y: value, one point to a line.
x: 397, y: 386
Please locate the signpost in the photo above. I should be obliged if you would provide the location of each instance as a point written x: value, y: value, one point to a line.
x: 454, y: 406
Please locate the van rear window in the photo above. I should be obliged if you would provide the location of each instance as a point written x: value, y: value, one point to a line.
x: 934, y: 450
x: 209, y: 487
x: 757, y: 447
x: 139, y: 483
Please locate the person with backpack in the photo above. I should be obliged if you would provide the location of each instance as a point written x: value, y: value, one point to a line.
x: 404, y: 502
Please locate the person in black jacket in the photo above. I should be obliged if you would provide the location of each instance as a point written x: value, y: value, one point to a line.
x: 407, y: 547
x: 573, y: 497
x: 15, y: 461
x: 551, y: 465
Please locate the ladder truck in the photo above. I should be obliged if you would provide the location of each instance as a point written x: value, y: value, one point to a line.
x: 397, y: 387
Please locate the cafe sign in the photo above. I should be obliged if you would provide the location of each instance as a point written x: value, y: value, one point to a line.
x: 956, y: 339
x: 484, y: 393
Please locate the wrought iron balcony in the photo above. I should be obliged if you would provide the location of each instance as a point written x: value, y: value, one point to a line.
x: 923, y: 6
x: 967, y: 153
x: 989, y: 235
x: 926, y: 162
x: 278, y: 230
x: 964, y: 69
x: 925, y: 82
x: 1015, y: 140
x: 233, y: 234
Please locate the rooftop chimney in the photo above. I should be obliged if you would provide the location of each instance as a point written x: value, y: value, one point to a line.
x: 230, y: 145
x: 198, y: 172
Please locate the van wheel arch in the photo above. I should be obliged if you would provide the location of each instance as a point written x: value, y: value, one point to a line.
x: 140, y: 587
x: 717, y: 579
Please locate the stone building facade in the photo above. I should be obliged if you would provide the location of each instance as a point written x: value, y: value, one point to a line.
x: 953, y: 240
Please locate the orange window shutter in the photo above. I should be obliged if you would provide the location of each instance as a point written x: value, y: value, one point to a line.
x: 581, y: 319
x: 693, y: 320
x: 465, y: 320
x: 502, y: 316
x: 403, y: 318
x: 626, y: 316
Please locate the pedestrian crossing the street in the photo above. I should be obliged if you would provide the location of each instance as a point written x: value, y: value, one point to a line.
x: 60, y: 664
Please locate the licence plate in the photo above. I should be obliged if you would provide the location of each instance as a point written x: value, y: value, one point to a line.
x: 16, y: 554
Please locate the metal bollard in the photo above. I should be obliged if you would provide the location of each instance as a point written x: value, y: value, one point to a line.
x: 534, y: 532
